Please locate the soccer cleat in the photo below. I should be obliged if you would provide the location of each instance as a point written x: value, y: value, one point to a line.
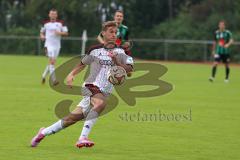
x: 38, y: 138
x: 226, y: 81
x: 84, y: 142
x: 211, y: 79
x: 43, y: 80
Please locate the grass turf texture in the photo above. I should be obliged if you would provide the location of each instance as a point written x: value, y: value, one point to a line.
x: 213, y: 133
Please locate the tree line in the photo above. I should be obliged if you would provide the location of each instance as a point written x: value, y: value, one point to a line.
x: 168, y: 19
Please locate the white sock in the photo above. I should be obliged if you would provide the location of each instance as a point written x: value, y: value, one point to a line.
x: 45, y: 72
x: 56, y: 127
x: 88, y: 124
x: 51, y: 70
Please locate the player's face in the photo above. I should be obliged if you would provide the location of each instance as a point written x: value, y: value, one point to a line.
x: 53, y: 15
x: 110, y: 35
x: 118, y: 17
x: 221, y: 25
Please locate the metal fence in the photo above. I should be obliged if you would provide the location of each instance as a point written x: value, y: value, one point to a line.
x: 161, y: 49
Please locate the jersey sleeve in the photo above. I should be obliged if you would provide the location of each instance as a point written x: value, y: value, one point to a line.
x: 87, y: 59
x: 125, y: 59
x: 43, y: 29
x: 64, y: 29
x: 89, y: 56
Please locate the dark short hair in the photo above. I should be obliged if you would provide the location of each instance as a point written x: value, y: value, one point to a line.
x: 119, y: 11
x: 108, y: 24
x: 53, y: 10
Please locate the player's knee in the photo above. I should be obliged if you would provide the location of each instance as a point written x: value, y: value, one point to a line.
x: 67, y: 122
x: 52, y: 61
x: 100, y: 106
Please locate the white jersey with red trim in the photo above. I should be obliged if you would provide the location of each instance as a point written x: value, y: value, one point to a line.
x: 100, y: 63
x: 52, y: 39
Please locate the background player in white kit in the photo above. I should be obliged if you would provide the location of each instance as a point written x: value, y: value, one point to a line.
x: 96, y: 87
x: 51, y: 32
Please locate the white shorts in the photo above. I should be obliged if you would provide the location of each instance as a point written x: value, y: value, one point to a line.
x: 85, y: 103
x: 53, y: 52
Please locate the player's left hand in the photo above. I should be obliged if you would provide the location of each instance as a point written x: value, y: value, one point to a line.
x: 42, y: 37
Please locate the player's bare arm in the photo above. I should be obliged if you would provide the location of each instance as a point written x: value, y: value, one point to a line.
x: 61, y: 33
x: 73, y: 73
x: 213, y: 48
x: 127, y: 67
x: 42, y: 36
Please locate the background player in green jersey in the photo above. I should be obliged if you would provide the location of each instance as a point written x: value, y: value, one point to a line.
x: 222, y: 41
x: 122, y: 32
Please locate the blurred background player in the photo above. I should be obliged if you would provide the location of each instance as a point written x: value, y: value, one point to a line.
x: 122, y: 33
x: 52, y: 31
x: 95, y: 89
x: 223, y: 40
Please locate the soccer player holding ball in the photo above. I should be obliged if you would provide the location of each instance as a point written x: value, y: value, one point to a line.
x: 96, y: 88
x: 223, y: 40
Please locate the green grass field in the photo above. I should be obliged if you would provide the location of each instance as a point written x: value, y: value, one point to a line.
x: 213, y: 133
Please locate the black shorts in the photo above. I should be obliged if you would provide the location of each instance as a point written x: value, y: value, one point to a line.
x: 222, y: 58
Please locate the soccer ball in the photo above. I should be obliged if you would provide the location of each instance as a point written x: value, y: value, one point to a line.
x: 116, y: 75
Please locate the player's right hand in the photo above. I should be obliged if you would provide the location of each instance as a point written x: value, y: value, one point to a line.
x: 42, y: 37
x: 70, y: 80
